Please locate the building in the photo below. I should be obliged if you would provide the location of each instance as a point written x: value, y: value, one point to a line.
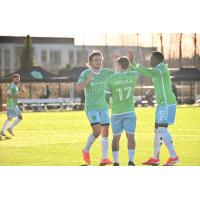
x: 53, y: 53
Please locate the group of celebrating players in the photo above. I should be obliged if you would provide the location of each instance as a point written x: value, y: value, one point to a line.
x: 102, y: 85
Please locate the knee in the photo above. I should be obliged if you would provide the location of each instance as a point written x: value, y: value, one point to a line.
x: 20, y: 117
x: 9, y: 119
x: 104, y: 131
x: 115, y: 143
x: 163, y: 131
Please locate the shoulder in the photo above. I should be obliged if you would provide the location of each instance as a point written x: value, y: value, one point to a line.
x: 162, y: 67
x: 85, y: 72
x: 11, y: 85
x: 134, y: 73
x: 107, y: 70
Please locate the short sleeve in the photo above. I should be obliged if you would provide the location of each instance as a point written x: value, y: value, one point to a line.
x: 82, y: 77
x: 10, y: 89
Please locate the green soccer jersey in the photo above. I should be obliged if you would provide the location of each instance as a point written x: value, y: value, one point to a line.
x: 162, y: 83
x: 95, y: 89
x: 121, y: 87
x: 12, y: 102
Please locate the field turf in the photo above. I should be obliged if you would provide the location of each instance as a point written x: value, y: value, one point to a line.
x: 57, y: 138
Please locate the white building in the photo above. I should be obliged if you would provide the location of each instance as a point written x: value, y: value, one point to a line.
x: 55, y: 53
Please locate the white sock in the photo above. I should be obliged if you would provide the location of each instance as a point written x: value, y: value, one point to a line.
x: 116, y: 156
x: 104, y: 144
x: 157, y: 143
x: 167, y: 140
x: 90, y: 141
x: 15, y: 123
x: 131, y: 154
x: 5, y: 125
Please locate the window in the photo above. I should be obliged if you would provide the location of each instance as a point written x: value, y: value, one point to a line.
x: 0, y: 60
x: 7, y: 58
x: 79, y: 58
x: 71, y: 58
x: 55, y: 59
x: 18, y: 51
x: 44, y: 58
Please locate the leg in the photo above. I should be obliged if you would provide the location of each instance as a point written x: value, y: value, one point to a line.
x: 131, y: 147
x: 19, y: 118
x: 5, y: 126
x: 105, y: 122
x: 115, y: 149
x: 94, y: 119
x: 129, y: 125
x: 166, y: 136
x: 157, y: 142
x: 96, y: 129
x: 104, y: 141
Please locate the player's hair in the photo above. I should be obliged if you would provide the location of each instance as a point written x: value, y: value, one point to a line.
x: 15, y: 75
x: 94, y: 53
x: 159, y: 56
x: 123, y: 61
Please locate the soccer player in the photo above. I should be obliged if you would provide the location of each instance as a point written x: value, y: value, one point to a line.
x: 12, y: 109
x: 166, y: 109
x: 121, y: 87
x: 93, y: 82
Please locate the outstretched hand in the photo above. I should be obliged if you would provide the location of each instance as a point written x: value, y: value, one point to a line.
x: 131, y: 56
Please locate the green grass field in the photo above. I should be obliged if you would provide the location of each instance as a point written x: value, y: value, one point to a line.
x: 57, y: 138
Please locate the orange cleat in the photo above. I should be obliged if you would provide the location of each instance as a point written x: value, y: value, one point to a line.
x: 86, y: 156
x: 171, y: 161
x: 152, y: 161
x: 105, y: 162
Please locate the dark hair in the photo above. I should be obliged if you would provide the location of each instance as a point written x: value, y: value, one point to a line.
x: 94, y: 53
x: 15, y: 75
x: 158, y: 55
x: 124, y: 62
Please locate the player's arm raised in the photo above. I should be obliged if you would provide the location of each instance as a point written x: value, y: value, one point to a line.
x: 82, y: 84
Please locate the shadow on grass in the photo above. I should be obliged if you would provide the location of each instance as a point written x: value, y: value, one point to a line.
x: 5, y: 138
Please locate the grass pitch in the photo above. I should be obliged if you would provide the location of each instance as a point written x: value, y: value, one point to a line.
x: 57, y: 138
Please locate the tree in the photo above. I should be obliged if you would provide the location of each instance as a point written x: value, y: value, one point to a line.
x: 26, y: 58
x: 180, y: 49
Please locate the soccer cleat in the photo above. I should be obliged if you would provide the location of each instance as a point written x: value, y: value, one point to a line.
x: 152, y: 161
x: 130, y: 163
x: 10, y: 131
x: 116, y: 164
x: 86, y: 156
x: 2, y: 134
x: 105, y: 162
x: 171, y: 161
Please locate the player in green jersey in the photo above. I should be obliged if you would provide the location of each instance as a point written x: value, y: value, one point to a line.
x: 121, y: 88
x: 12, y: 109
x: 93, y: 82
x: 166, y: 109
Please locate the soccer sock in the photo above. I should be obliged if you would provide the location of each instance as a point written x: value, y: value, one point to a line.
x: 104, y: 144
x: 90, y: 141
x: 131, y: 154
x: 167, y: 140
x: 116, y: 156
x: 15, y: 123
x: 5, y: 125
x: 157, y: 143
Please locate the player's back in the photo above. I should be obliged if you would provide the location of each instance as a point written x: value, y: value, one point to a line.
x: 122, y: 87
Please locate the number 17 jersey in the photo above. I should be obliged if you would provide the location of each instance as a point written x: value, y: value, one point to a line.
x: 121, y: 87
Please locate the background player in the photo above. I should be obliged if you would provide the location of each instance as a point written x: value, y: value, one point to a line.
x: 12, y: 109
